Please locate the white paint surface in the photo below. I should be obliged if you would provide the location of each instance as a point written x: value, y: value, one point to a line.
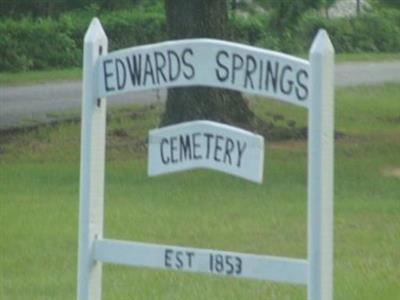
x: 320, y: 169
x: 233, y: 264
x: 206, y: 144
x: 206, y: 62
x: 92, y: 167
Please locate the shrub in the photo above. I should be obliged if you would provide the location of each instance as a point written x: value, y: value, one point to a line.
x: 127, y: 29
x: 51, y: 43
x: 12, y: 56
x: 249, y: 30
x: 40, y: 44
x: 370, y: 32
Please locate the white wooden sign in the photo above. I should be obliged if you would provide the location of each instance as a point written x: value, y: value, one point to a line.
x: 224, y: 263
x: 205, y: 62
x: 306, y: 83
x: 206, y: 144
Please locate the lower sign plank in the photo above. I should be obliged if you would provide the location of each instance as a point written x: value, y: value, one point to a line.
x: 202, y: 260
x: 206, y: 144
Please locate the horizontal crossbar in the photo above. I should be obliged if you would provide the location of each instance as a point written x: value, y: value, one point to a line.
x: 280, y: 269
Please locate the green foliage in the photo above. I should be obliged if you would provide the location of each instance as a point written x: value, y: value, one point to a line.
x: 291, y: 27
x: 286, y: 13
x: 372, y: 32
x: 40, y: 44
x: 51, y: 8
x: 28, y: 43
x: 377, y: 31
x: 388, y: 3
x: 249, y: 30
x: 127, y: 28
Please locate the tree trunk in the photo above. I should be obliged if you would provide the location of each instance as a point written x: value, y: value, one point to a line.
x: 201, y: 19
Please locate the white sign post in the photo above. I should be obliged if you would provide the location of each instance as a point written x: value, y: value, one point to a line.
x: 93, y: 135
x: 320, y: 169
x: 215, y: 63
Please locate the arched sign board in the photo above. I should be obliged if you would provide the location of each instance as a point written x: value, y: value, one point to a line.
x: 206, y: 144
x: 205, y: 62
x: 306, y: 83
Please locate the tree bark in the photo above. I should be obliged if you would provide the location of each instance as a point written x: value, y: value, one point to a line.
x: 202, y: 19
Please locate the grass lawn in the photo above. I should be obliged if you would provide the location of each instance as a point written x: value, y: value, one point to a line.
x: 370, y: 57
x: 37, y: 77
x: 39, y: 176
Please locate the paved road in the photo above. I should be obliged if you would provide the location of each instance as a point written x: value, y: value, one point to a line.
x: 46, y: 102
x: 19, y: 105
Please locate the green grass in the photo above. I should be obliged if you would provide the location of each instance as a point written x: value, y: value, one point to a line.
x: 37, y: 77
x: 361, y: 57
x: 367, y: 57
x: 39, y: 207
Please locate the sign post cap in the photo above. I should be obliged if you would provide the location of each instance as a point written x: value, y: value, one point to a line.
x: 95, y: 32
x: 322, y: 43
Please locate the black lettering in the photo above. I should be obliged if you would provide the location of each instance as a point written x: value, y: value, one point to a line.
x: 250, y: 69
x: 260, y: 77
x: 218, y: 147
x: 173, y: 141
x: 167, y: 258
x: 208, y: 138
x: 219, y: 263
x: 106, y: 75
x: 121, y: 73
x: 190, y: 257
x: 135, y: 69
x: 148, y: 70
x: 185, y: 151
x: 237, y: 64
x: 289, y: 86
x: 271, y: 75
x: 227, y: 264
x: 161, y: 62
x: 238, y: 265
x: 228, y: 261
x: 222, y: 77
x: 165, y: 160
x: 179, y: 262
x: 229, y: 145
x: 173, y: 58
x: 240, y: 152
x: 196, y: 146
x: 191, y: 73
x: 301, y: 95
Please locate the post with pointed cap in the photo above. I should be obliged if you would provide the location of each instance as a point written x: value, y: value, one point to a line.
x: 92, y: 166
x: 320, y: 169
